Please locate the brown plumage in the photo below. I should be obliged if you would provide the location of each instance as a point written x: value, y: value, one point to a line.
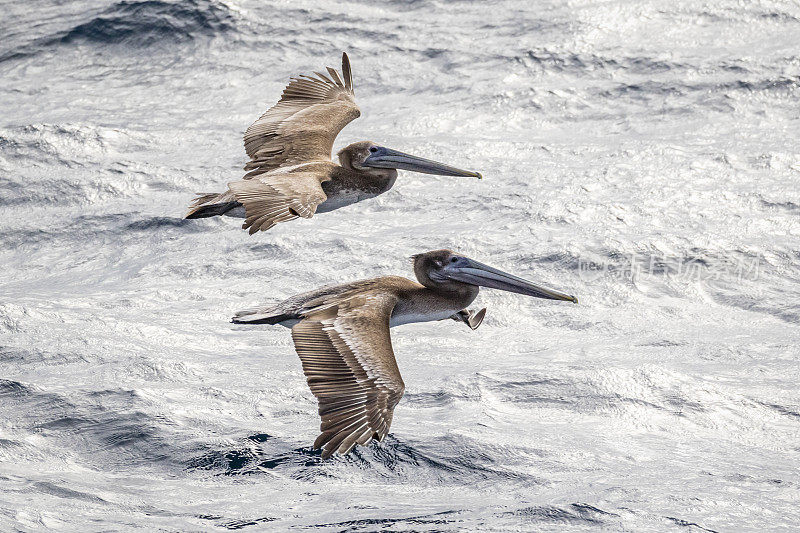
x: 290, y: 173
x: 303, y: 125
x: 348, y: 361
x: 341, y: 334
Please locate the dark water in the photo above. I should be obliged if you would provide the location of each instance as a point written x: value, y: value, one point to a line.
x: 641, y: 155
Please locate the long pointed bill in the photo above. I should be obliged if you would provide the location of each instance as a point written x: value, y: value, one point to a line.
x: 388, y: 158
x: 476, y: 273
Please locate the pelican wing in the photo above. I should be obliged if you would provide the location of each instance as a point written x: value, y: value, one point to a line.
x: 304, y: 123
x: 279, y: 196
x: 348, y: 361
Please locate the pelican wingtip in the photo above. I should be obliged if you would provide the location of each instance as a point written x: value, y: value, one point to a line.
x: 347, y: 72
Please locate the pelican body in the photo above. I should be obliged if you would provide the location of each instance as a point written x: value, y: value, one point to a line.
x: 290, y: 172
x: 341, y: 334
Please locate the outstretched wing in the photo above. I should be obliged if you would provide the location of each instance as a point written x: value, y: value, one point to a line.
x: 348, y: 361
x: 304, y: 123
x: 280, y: 196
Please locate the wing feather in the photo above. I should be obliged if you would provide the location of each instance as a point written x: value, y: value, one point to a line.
x: 347, y: 73
x: 280, y: 196
x: 304, y: 123
x: 350, y: 367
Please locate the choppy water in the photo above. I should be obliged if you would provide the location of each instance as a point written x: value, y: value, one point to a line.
x: 641, y: 155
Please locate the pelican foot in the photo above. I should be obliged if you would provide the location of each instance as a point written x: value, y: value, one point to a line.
x: 473, y: 320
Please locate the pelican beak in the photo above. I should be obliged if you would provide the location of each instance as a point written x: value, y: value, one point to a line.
x: 381, y: 157
x: 469, y: 271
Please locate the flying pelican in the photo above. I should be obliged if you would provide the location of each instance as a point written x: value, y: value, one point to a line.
x: 341, y: 334
x: 290, y: 173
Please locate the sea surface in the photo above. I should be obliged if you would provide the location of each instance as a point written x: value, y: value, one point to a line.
x: 642, y: 155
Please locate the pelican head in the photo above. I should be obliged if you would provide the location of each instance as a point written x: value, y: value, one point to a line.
x: 365, y: 155
x: 447, y: 270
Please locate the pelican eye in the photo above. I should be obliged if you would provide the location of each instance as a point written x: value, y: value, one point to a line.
x: 454, y: 259
x: 373, y: 149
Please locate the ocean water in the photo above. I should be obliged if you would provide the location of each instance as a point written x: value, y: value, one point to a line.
x: 642, y: 155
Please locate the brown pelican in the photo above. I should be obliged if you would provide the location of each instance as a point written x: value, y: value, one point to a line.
x: 290, y: 173
x: 341, y: 334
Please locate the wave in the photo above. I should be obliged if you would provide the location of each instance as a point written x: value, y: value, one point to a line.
x: 576, y: 514
x: 47, y: 164
x: 442, y: 518
x: 113, y: 424
x: 10, y: 389
x: 67, y: 145
x: 600, y: 65
x: 147, y: 22
x: 566, y: 61
x: 139, y: 24
x: 62, y: 165
x: 609, y: 84
x: 443, y: 461
x: 124, y: 227
x: 648, y: 89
